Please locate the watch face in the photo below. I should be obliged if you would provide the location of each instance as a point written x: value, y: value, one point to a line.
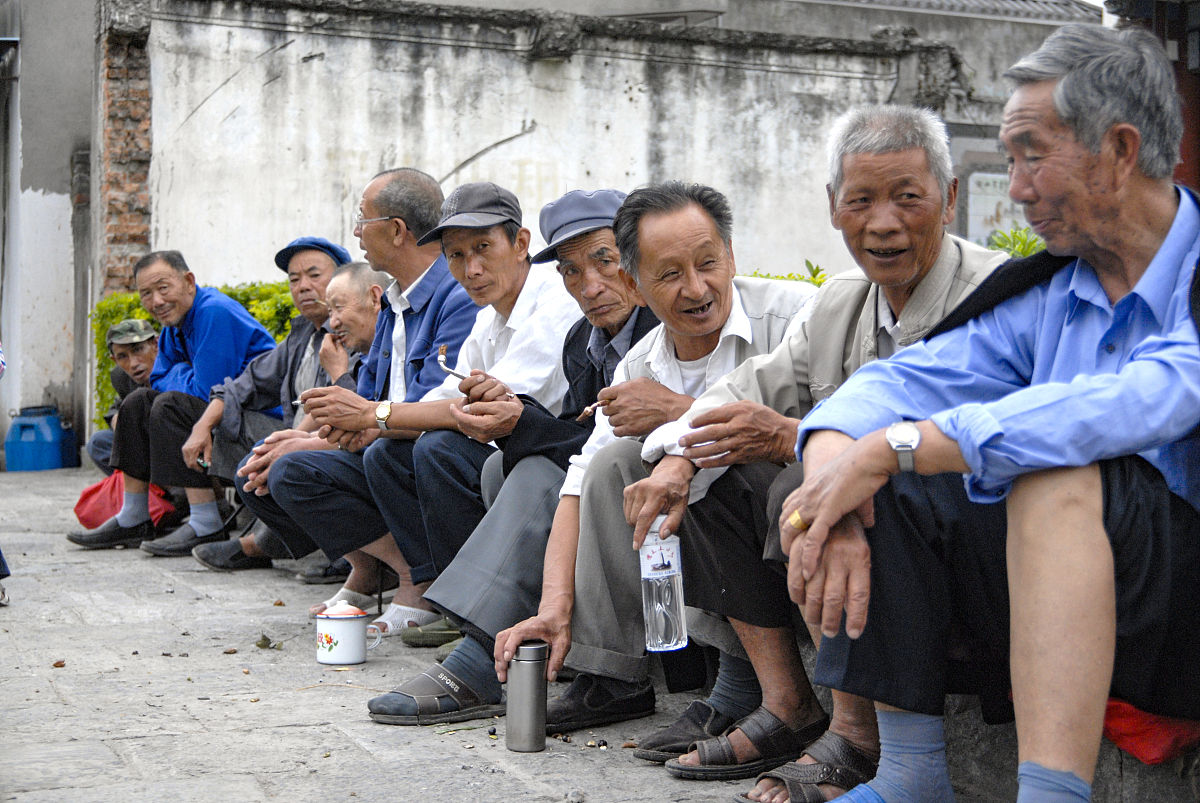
x: 903, y: 434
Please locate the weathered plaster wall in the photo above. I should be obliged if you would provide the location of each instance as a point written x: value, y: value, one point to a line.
x: 268, y: 117
x: 50, y: 111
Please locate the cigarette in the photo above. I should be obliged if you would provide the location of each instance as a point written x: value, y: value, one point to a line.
x: 442, y: 362
x: 591, y: 409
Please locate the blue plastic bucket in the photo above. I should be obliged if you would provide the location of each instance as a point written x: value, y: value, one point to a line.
x: 37, y: 440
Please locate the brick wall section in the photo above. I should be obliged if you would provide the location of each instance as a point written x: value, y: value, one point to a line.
x: 124, y: 194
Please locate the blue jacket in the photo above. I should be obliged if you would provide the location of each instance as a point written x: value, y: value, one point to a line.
x: 214, y: 341
x: 441, y: 314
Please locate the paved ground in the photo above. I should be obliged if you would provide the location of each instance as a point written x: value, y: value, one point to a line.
x: 150, y: 702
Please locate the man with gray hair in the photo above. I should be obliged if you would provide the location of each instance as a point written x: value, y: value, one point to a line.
x: 1041, y: 439
x: 891, y: 193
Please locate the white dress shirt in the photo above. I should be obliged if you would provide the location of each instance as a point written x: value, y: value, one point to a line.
x: 524, y: 350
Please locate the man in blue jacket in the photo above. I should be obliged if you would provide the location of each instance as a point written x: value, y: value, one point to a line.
x: 206, y: 337
x: 397, y: 208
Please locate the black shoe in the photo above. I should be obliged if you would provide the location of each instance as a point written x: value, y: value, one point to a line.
x: 269, y: 542
x: 227, y: 556
x: 591, y: 700
x: 698, y: 722
x: 110, y: 534
x: 180, y: 542
x: 327, y: 574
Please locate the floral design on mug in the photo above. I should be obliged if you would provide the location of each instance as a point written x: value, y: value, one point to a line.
x: 326, y: 641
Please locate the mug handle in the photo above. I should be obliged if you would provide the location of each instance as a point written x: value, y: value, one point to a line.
x: 378, y: 636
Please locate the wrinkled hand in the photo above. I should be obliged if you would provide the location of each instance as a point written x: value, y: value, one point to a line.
x: 552, y: 627
x: 486, y: 420
x: 840, y: 583
x: 339, y: 408
x: 480, y: 387
x: 740, y: 432
x: 333, y: 356
x: 640, y: 406
x: 257, y: 469
x: 664, y: 491
x: 845, y: 484
x: 198, y: 447
x: 349, y: 440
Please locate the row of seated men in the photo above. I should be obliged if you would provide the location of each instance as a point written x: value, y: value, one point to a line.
x: 874, y: 465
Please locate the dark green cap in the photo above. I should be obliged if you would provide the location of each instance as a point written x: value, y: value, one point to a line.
x: 130, y: 330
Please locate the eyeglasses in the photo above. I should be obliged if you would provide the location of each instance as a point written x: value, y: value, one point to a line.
x: 360, y: 221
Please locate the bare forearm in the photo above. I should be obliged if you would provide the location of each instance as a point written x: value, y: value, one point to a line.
x: 421, y: 416
x: 212, y: 415
x: 558, y: 575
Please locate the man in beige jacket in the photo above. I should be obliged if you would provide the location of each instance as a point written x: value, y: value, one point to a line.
x: 891, y: 195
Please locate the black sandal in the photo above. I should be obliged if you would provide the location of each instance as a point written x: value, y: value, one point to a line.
x: 698, y: 722
x: 776, y: 744
x: 840, y: 763
x: 429, y: 689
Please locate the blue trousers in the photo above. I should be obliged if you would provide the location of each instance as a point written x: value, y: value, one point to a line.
x: 3, y: 566
x: 99, y: 448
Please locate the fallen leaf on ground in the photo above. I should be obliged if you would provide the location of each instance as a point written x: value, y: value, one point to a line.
x: 231, y: 651
x: 278, y: 603
x: 254, y: 699
x: 59, y: 664
x: 245, y: 671
x: 265, y: 643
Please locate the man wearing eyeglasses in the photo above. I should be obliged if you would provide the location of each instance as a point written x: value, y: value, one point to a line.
x: 422, y: 309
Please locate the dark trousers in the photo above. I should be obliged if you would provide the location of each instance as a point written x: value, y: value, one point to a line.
x: 3, y: 566
x: 149, y: 437
x: 938, y: 615
x: 268, y: 510
x: 429, y: 495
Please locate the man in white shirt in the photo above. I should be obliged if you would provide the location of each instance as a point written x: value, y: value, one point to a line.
x: 429, y: 454
x: 676, y: 246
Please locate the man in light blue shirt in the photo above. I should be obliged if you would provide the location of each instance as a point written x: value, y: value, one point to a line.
x: 1067, y: 388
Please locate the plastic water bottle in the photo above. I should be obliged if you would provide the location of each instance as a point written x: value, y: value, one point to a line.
x: 662, y: 591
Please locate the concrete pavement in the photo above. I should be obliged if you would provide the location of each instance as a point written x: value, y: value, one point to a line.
x: 162, y: 694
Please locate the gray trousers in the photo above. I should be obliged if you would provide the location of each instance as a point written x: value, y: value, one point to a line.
x: 495, y: 580
x: 607, y: 636
x: 227, y: 453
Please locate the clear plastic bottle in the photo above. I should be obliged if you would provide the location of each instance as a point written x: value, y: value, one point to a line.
x: 662, y: 591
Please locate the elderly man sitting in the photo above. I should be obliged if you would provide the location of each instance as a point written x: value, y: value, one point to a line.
x: 133, y: 347
x: 1066, y: 392
x: 891, y: 194
x: 676, y: 248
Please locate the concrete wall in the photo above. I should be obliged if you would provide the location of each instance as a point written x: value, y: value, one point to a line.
x: 50, y: 112
x: 268, y: 117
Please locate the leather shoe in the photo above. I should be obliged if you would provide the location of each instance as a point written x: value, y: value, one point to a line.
x: 110, y: 534
x: 699, y: 722
x: 327, y: 573
x: 591, y: 700
x: 180, y: 542
x: 227, y: 556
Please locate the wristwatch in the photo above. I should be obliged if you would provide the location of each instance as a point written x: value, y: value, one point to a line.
x: 382, y: 411
x: 904, y: 438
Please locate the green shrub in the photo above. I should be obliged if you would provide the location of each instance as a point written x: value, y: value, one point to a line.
x: 269, y: 302
x: 1019, y: 241
x: 815, y: 275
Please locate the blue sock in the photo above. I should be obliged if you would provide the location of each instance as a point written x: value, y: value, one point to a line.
x: 736, y: 692
x: 474, y: 665
x: 1036, y: 784
x: 912, y: 763
x: 135, y: 508
x: 861, y: 794
x: 205, y: 518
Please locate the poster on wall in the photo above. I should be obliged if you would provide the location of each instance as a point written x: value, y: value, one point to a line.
x: 989, y: 208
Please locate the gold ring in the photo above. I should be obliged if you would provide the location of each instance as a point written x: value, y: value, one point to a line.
x: 797, y: 521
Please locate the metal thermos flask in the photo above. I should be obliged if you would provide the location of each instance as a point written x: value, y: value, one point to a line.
x: 525, y: 731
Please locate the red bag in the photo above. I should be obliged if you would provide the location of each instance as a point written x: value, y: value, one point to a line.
x: 100, y: 502
x: 1149, y: 738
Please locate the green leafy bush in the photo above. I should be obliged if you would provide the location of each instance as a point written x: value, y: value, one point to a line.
x: 814, y: 276
x: 1019, y: 241
x: 269, y: 302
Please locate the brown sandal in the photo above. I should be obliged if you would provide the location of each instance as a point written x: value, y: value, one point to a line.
x: 840, y: 763
x: 776, y: 744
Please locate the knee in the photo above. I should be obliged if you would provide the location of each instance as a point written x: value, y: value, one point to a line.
x: 619, y: 463
x: 138, y: 403
x: 1072, y: 494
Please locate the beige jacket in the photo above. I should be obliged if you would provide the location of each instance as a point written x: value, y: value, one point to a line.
x: 840, y: 335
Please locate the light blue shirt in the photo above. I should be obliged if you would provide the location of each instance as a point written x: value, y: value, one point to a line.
x: 1056, y: 376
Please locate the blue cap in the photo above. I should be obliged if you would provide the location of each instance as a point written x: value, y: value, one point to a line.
x: 576, y: 213
x: 340, y: 255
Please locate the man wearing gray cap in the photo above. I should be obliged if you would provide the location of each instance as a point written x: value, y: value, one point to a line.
x: 495, y: 579
x: 133, y: 346
x: 417, y: 447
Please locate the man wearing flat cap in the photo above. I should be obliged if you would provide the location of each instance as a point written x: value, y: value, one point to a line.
x: 133, y: 346
x: 495, y: 579
x: 444, y: 438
